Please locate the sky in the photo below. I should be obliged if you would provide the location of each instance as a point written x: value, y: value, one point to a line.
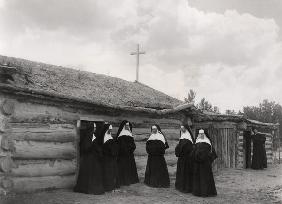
x: 229, y: 52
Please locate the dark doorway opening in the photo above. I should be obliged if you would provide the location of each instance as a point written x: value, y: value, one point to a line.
x: 247, y: 147
x: 86, y: 129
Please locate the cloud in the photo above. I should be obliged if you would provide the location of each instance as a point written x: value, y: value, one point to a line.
x: 232, y: 59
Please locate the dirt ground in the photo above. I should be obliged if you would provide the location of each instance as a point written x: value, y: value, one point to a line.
x: 233, y: 186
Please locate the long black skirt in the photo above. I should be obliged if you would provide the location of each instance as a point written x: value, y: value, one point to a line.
x: 90, y: 177
x: 184, y: 174
x: 156, y: 174
x: 127, y: 170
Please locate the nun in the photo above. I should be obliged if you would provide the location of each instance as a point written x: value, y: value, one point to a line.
x: 110, y: 152
x: 203, y: 156
x: 259, y: 160
x: 126, y: 162
x: 183, y: 150
x: 156, y: 174
x: 90, y: 176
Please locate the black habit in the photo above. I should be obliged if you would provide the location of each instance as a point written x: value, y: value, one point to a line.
x: 156, y: 174
x: 184, y: 171
x: 203, y: 180
x: 126, y: 163
x: 110, y: 167
x: 259, y: 160
x: 90, y: 177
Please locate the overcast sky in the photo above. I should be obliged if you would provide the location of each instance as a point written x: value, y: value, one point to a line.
x: 227, y: 51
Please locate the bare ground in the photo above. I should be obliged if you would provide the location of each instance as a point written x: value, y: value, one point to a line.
x: 233, y: 186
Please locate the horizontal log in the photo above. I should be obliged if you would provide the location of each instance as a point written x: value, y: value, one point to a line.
x: 42, y: 125
x: 145, y: 133
x: 29, y: 184
x: 43, y: 134
x: 138, y: 131
x: 41, y: 112
x: 44, y: 150
x: 26, y: 168
x: 138, y: 121
x: 145, y: 137
x: 220, y: 125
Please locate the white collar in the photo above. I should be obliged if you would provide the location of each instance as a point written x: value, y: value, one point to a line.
x: 125, y: 132
x: 93, y: 137
x: 205, y: 140
x: 107, y: 137
x: 157, y: 136
x: 186, y: 135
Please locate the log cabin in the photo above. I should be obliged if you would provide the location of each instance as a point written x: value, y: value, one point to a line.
x: 43, y: 108
x: 230, y: 135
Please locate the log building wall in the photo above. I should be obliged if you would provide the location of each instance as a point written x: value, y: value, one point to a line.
x: 39, y: 141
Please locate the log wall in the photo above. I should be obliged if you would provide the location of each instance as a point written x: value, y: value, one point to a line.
x: 39, y: 142
x: 228, y: 141
x: 38, y: 146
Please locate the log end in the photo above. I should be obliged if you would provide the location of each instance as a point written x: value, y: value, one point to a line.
x: 7, y: 143
x: 3, y: 191
x: 6, y: 164
x: 7, y: 184
x: 8, y: 107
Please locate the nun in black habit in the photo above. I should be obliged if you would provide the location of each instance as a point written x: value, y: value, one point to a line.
x: 90, y: 176
x: 156, y: 174
x: 259, y: 160
x: 126, y: 162
x: 183, y: 150
x: 203, y: 156
x: 110, y: 152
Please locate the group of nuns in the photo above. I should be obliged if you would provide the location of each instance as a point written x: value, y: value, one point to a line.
x: 194, y: 166
x: 108, y: 162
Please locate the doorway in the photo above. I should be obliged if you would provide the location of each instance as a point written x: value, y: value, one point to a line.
x: 86, y: 129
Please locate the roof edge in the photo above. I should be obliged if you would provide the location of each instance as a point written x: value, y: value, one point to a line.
x: 6, y: 88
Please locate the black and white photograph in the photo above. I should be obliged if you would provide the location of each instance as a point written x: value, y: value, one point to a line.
x: 132, y: 102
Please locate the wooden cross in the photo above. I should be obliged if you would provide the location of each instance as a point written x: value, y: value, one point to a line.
x: 137, y: 53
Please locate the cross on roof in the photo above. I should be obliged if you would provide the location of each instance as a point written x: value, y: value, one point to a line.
x: 137, y: 53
